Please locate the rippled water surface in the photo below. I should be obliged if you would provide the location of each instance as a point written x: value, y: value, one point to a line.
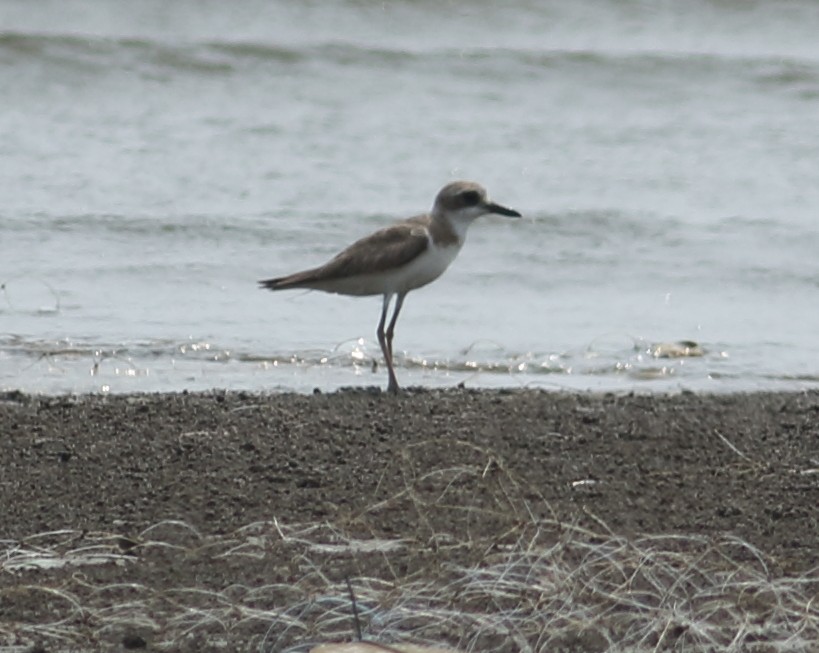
x: 159, y: 158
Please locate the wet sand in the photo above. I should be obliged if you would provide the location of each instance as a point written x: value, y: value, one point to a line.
x: 424, y: 467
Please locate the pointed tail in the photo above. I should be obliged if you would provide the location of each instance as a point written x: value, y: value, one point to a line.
x: 297, y: 280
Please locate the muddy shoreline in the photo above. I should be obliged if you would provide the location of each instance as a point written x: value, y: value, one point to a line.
x: 426, y: 467
x: 686, y: 463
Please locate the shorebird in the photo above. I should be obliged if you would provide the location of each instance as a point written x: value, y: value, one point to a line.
x: 400, y: 258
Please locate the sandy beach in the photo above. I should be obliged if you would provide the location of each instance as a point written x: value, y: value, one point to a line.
x: 227, y: 493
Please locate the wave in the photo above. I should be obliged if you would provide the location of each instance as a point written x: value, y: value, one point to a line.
x: 79, y: 50
x: 220, y: 57
x: 191, y: 226
x: 625, y: 355
x: 592, y: 226
x: 58, y: 366
x: 593, y: 230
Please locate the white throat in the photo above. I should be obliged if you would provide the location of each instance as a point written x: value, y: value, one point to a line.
x: 461, y: 220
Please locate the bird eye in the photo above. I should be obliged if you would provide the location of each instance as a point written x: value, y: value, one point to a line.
x: 470, y: 197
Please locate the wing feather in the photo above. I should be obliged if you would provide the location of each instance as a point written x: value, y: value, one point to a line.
x: 389, y: 248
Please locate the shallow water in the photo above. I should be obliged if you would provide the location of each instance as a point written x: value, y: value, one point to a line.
x: 159, y: 159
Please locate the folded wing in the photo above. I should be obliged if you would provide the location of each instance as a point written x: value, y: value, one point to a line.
x: 387, y: 249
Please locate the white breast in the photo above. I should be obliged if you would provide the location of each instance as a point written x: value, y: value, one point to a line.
x: 426, y: 267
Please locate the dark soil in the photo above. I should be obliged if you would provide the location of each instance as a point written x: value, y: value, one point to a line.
x: 420, y: 466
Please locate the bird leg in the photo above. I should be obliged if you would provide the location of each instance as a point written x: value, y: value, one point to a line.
x: 399, y: 302
x: 386, y: 347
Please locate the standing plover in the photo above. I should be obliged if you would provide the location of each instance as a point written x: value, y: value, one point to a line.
x: 400, y: 258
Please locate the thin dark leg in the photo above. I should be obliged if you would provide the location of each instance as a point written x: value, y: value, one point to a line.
x: 385, y: 348
x: 399, y: 302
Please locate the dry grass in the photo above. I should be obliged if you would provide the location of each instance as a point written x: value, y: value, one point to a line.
x: 535, y: 585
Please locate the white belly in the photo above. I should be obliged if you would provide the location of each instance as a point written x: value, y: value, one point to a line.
x: 418, y: 272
